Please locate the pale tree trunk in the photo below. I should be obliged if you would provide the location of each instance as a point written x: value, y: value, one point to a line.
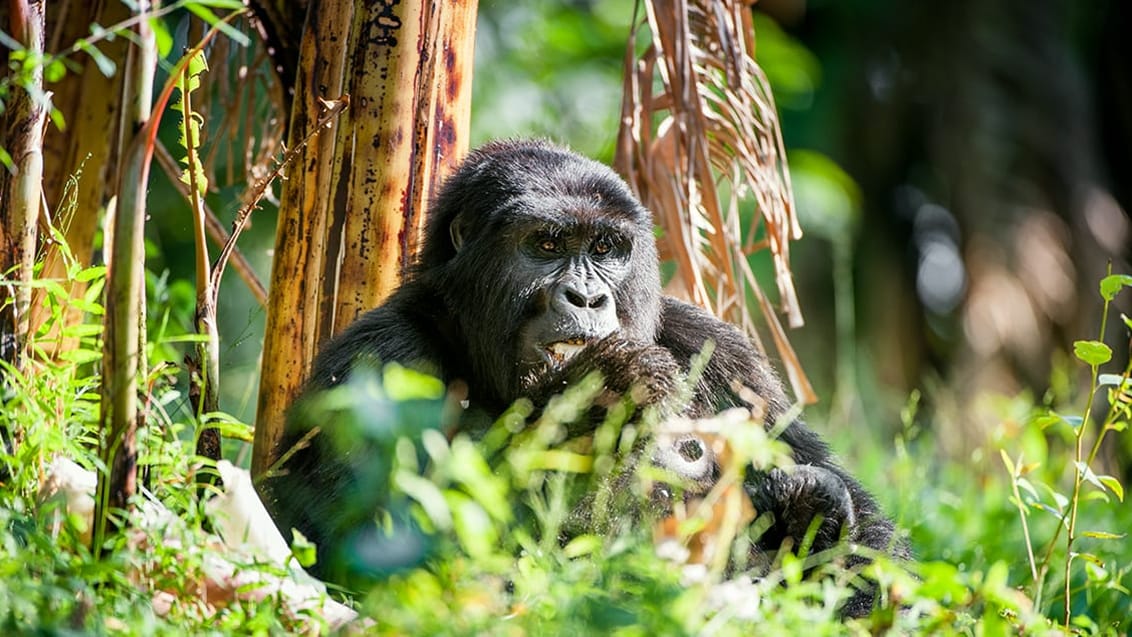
x: 354, y: 200
x: 82, y: 153
x: 123, y: 348
x: 21, y: 188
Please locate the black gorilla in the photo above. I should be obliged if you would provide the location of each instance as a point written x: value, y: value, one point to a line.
x: 538, y: 266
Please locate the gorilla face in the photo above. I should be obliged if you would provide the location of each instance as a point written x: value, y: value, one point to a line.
x: 580, y: 265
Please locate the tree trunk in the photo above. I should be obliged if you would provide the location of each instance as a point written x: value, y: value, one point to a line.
x: 354, y: 200
x: 124, y: 336
x: 20, y: 190
x: 89, y: 104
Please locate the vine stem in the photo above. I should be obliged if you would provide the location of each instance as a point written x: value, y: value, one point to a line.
x: 1080, y: 467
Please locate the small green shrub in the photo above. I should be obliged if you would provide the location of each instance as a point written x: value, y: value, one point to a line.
x: 497, y: 509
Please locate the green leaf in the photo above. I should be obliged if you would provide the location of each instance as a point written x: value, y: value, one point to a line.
x: 582, y: 545
x: 105, y: 65
x: 1113, y: 283
x: 91, y: 273
x: 1113, y: 485
x: 81, y: 330
x: 54, y: 71
x: 200, y: 11
x: 402, y: 383
x: 1092, y: 352
x: 1044, y: 421
x: 80, y: 356
x: 303, y: 549
x: 189, y: 133
x: 228, y: 426
x: 473, y: 526
x: 1007, y: 461
x: 1104, y: 535
x: 427, y: 494
x: 1028, y: 487
x: 161, y: 36
x: 1089, y: 557
x: 233, y: 5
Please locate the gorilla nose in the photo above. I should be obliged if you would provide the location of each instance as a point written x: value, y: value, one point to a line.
x: 580, y: 299
x: 574, y: 296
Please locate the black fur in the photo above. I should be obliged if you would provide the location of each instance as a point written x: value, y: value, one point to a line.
x: 529, y: 244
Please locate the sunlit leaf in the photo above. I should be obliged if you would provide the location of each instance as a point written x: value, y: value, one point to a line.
x: 1113, y: 485
x: 1104, y: 535
x: 559, y: 460
x: 91, y: 273
x: 54, y: 70
x: 1112, y: 284
x: 1007, y: 461
x: 304, y: 550
x: 105, y: 65
x: 1095, y: 572
x: 161, y: 36
x: 80, y: 356
x: 472, y: 525
x: 403, y: 383
x: 1092, y: 352
x: 202, y: 12
x: 1046, y: 420
x: 233, y: 5
x: 1026, y: 486
x: 1087, y: 474
x: 427, y: 494
x: 582, y: 545
x: 1088, y: 557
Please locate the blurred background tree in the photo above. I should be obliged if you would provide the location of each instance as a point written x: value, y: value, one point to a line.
x: 962, y: 175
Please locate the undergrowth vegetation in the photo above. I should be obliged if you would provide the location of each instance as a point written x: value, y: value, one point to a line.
x: 1024, y: 536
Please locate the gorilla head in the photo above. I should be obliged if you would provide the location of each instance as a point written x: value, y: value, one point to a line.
x: 537, y: 253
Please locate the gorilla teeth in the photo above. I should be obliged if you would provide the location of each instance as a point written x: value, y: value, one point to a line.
x: 563, y: 351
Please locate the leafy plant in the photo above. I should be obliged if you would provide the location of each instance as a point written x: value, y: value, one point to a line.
x: 1086, y: 484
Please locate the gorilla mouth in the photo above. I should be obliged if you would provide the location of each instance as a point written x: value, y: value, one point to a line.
x: 562, y: 351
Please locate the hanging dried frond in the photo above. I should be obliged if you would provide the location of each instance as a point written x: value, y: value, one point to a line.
x: 708, y: 141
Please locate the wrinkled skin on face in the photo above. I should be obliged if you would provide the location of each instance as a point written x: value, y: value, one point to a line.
x: 538, y: 267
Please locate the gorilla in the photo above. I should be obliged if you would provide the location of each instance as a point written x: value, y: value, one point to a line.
x: 539, y: 266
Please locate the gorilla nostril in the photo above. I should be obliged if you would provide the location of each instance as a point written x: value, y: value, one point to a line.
x: 690, y: 449
x: 574, y: 298
x: 598, y: 301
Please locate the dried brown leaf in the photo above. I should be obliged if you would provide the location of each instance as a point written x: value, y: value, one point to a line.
x: 700, y: 151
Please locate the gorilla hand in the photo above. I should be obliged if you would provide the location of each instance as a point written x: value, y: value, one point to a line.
x: 646, y: 374
x: 800, y: 497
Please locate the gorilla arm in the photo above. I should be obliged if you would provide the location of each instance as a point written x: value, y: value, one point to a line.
x: 816, y: 486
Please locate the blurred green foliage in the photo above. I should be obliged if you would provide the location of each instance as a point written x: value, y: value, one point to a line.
x: 554, y: 69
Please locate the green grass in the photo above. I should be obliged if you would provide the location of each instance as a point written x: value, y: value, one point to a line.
x: 496, y: 565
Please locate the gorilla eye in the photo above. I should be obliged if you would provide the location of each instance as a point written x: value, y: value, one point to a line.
x: 603, y: 246
x: 548, y: 245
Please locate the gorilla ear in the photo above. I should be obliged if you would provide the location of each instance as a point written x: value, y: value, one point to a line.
x: 456, y: 232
